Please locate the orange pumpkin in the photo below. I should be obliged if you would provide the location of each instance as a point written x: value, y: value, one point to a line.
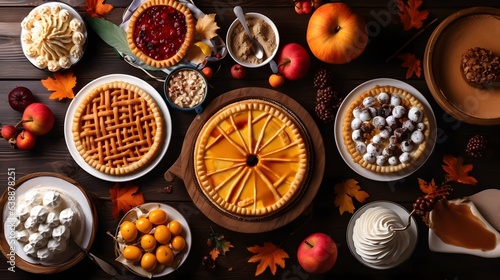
x: 336, y: 34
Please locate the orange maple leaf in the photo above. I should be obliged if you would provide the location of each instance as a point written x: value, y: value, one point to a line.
x: 62, y: 85
x: 268, y: 255
x: 345, y: 191
x: 97, y: 8
x: 457, y: 171
x: 427, y: 188
x: 214, y: 253
x: 413, y: 64
x: 125, y: 198
x: 410, y: 15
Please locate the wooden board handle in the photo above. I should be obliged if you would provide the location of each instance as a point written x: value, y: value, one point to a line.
x: 174, y: 171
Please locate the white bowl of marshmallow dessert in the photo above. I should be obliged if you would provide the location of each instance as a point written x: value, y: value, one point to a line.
x: 373, y: 240
x: 53, y: 36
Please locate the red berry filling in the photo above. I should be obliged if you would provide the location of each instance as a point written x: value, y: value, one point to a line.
x: 160, y: 31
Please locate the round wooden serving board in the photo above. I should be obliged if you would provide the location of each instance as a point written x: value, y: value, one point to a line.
x: 183, y: 166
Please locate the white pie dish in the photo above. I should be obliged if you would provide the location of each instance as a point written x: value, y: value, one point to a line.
x: 87, y: 89
x: 384, y: 177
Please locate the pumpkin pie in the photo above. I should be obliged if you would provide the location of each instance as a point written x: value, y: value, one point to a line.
x: 385, y: 129
x: 118, y: 128
x: 251, y: 158
x: 160, y: 32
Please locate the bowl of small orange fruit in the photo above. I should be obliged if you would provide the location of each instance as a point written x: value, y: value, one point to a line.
x: 152, y: 240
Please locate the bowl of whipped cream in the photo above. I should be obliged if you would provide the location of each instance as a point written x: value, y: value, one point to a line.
x: 373, y: 240
x: 53, y: 36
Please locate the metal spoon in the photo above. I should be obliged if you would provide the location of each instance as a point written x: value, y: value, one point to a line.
x: 256, y: 46
x: 104, y: 265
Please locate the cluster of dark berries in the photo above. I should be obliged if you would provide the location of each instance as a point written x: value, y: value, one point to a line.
x: 327, y: 100
x: 476, y: 146
x: 208, y: 263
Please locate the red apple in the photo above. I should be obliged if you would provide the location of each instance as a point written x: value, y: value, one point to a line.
x: 336, y: 34
x: 303, y: 7
x: 317, y: 253
x: 238, y: 71
x: 8, y: 131
x: 293, y: 61
x: 20, y: 98
x: 25, y: 140
x: 38, y: 118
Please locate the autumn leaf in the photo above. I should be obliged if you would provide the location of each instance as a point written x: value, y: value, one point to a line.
x: 62, y: 85
x: 345, y: 191
x: 457, y: 171
x: 97, y: 8
x: 410, y: 14
x: 413, y: 64
x: 220, y: 243
x: 206, y: 27
x: 268, y: 255
x: 427, y: 188
x: 195, y: 55
x: 125, y: 198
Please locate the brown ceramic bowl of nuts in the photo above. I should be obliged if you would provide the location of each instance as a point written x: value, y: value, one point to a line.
x: 185, y: 89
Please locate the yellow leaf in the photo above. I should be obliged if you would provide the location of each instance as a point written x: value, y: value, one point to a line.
x: 345, y: 191
x: 195, y: 55
x: 268, y: 255
x: 206, y: 27
x: 62, y: 85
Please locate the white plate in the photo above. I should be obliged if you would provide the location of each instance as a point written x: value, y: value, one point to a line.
x: 68, y: 122
x: 340, y: 142
x: 83, y: 238
x: 173, y: 214
x: 74, y: 13
x: 403, y: 214
x: 486, y: 202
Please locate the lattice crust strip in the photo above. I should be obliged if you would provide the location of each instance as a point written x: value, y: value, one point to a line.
x: 117, y: 128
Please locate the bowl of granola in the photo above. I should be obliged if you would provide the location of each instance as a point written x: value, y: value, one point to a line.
x: 185, y: 89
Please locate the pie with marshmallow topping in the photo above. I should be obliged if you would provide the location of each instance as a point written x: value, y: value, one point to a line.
x: 385, y: 129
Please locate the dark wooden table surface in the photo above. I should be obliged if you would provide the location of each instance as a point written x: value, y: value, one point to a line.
x: 386, y: 37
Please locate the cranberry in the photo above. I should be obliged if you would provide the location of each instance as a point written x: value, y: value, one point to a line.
x: 160, y: 32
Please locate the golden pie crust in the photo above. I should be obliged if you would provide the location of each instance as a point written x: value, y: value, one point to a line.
x: 181, y: 52
x: 250, y: 158
x: 118, y: 128
x: 408, y: 101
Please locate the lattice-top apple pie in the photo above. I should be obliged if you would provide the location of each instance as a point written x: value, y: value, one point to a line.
x: 118, y: 128
x: 251, y: 158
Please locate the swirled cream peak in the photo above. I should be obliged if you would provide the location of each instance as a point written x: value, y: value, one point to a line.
x: 375, y: 239
x: 52, y: 37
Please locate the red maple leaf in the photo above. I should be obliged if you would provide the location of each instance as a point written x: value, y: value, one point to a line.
x: 413, y: 64
x: 410, y: 15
